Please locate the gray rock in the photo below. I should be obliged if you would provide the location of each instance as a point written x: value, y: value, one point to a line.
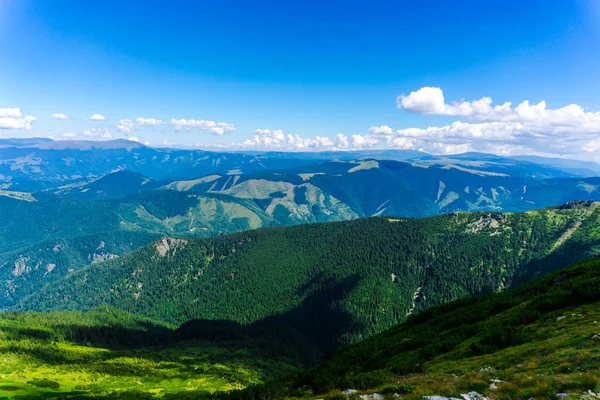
x: 473, y: 396
x: 590, y: 395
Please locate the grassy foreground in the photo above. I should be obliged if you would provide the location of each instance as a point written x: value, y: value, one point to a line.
x: 108, y: 353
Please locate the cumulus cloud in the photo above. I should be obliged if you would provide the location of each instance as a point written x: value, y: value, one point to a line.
x: 217, y: 128
x: 382, y: 130
x: 133, y: 139
x: 98, y: 134
x: 360, y: 141
x: 59, y: 116
x: 98, y: 117
x: 126, y: 126
x: 430, y: 100
x: 12, y: 118
x: 70, y: 135
x: 10, y: 112
x: 341, y: 141
x: 527, y: 128
x: 277, y: 139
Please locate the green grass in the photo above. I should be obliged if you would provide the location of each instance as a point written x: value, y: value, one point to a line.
x: 62, y: 355
x: 559, y: 357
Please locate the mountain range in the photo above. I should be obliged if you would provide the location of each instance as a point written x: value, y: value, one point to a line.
x: 193, y: 272
x: 81, y: 213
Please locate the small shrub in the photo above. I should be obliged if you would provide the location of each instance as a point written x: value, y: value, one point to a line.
x: 45, y: 383
x: 400, y: 389
x: 335, y: 395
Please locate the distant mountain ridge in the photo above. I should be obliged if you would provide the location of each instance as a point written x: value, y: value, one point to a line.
x: 48, y: 162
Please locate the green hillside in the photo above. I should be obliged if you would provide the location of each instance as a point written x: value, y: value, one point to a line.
x: 107, y: 353
x: 539, y: 341
x: 336, y: 283
x: 45, y: 239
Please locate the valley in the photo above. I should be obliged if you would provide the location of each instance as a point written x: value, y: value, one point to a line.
x: 177, y: 285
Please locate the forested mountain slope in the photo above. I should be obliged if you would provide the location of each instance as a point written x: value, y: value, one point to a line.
x: 44, y: 235
x: 338, y: 282
x: 43, y: 240
x: 538, y: 341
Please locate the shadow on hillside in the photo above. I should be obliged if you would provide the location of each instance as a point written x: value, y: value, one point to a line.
x: 316, y: 325
x: 303, y: 335
x: 570, y: 252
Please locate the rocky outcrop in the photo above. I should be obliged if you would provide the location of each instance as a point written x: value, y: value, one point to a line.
x: 167, y: 244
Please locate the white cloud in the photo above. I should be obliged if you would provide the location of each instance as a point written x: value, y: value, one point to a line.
x: 359, y: 141
x: 430, y: 100
x: 98, y: 133
x: 70, y: 135
x: 10, y: 112
x: 217, y: 128
x: 383, y: 130
x: 98, y: 117
x: 403, y: 143
x: 133, y: 139
x: 528, y: 128
x: 12, y: 118
x: 59, y: 116
x: 277, y: 139
x: 267, y: 138
x: 149, y: 121
x: 126, y: 125
x: 341, y: 141
x: 593, y: 146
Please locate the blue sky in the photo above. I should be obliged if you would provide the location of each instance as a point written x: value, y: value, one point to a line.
x: 306, y: 75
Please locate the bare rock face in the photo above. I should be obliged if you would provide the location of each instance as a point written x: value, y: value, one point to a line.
x: 21, y: 267
x: 167, y: 244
